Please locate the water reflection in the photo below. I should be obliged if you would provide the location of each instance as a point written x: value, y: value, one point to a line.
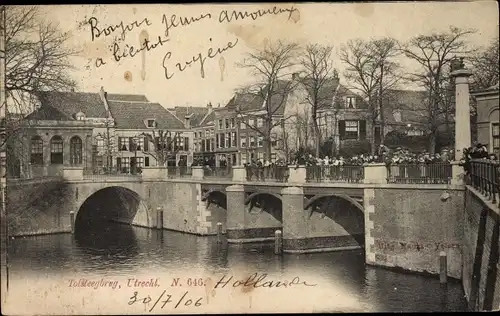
x: 121, y: 249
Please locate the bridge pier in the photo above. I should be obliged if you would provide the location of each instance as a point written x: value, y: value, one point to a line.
x: 244, y: 226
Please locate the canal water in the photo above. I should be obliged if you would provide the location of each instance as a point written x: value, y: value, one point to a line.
x: 40, y: 269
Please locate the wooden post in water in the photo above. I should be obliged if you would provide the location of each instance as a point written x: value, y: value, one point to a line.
x: 443, y: 268
x: 159, y: 216
x: 278, y: 242
x: 219, y: 232
x: 72, y: 221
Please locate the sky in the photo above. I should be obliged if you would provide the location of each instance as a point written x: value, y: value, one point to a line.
x: 144, y: 73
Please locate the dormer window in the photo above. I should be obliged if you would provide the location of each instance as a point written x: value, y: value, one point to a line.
x: 350, y: 102
x: 151, y: 123
x: 80, y: 116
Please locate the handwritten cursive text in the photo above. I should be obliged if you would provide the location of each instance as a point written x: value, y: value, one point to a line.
x: 259, y: 281
x: 228, y: 16
x: 165, y: 299
x: 201, y: 58
x: 96, y: 32
x: 171, y: 22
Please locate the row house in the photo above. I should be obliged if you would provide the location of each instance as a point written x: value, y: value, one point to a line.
x: 488, y: 117
x: 58, y: 133
x: 137, y: 132
x: 97, y: 131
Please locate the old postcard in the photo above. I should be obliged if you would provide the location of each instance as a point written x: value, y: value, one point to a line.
x: 249, y: 158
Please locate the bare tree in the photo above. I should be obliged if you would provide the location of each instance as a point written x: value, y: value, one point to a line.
x: 318, y: 71
x: 36, y: 58
x: 485, y: 67
x: 433, y: 54
x: 164, y: 145
x: 372, y: 71
x: 272, y: 66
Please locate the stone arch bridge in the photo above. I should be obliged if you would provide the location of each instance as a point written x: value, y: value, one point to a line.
x: 311, y: 216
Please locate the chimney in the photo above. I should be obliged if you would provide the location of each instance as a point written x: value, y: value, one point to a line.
x: 209, y: 107
x: 187, y: 123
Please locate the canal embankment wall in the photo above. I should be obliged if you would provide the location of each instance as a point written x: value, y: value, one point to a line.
x: 481, y: 248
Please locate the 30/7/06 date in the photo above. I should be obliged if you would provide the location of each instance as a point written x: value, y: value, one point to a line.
x: 165, y: 300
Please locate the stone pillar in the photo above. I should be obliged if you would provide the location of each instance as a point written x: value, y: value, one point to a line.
x: 297, y: 174
x: 375, y: 173
x: 295, y: 219
x: 462, y: 111
x: 198, y: 172
x: 155, y: 172
x: 239, y: 173
x: 235, y: 212
x: 73, y: 173
x: 457, y: 173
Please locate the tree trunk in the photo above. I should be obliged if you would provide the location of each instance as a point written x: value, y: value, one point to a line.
x: 432, y: 143
x: 373, y: 147
x: 317, y: 136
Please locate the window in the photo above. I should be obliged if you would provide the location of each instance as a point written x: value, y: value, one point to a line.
x: 415, y: 132
x: 243, y: 141
x: 100, y: 144
x: 228, y: 140
x: 146, y: 161
x: 80, y: 116
x: 56, y: 150
x: 138, y: 144
x: 75, y: 150
x: 260, y: 122
x: 233, y: 123
x: 252, y: 141
x: 259, y: 141
x: 260, y: 155
x: 140, y: 162
x: 124, y: 165
x: 123, y: 143
x: 212, y: 133
x: 233, y: 139
x: 186, y: 143
x: 226, y: 123
x: 220, y: 124
x: 151, y: 123
x: 350, y: 102
x: 495, y: 137
x: 351, y: 129
x: 36, y: 150
x: 243, y: 125
x: 397, y: 116
x: 251, y: 122
x: 274, y: 139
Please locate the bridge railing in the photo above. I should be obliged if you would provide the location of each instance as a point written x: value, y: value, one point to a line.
x: 104, y: 173
x: 179, y: 171
x: 344, y: 173
x: 270, y: 173
x: 420, y: 173
x: 484, y: 176
x: 217, y: 172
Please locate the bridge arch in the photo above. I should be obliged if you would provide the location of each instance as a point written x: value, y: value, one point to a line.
x: 249, y: 198
x: 310, y: 202
x: 112, y: 203
x: 339, y: 214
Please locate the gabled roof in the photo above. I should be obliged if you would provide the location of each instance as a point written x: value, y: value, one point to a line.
x: 248, y: 101
x: 325, y: 93
x: 132, y: 115
x: 197, y: 113
x: 56, y: 105
x: 127, y: 97
x: 208, y: 120
x: 410, y: 104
